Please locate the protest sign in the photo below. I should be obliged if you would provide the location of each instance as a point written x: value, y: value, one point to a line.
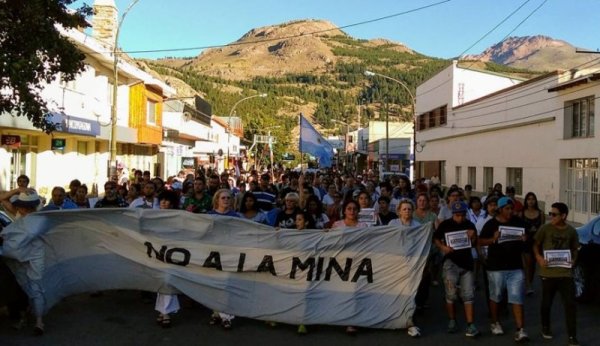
x: 361, y: 276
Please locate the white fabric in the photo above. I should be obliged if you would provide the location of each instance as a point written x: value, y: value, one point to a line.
x: 354, y: 276
x: 166, y: 303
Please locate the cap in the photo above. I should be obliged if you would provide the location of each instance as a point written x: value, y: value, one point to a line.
x: 28, y: 199
x: 504, y: 201
x: 458, y: 207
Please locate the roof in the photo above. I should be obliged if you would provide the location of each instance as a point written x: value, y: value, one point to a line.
x: 575, y: 82
x: 512, y: 87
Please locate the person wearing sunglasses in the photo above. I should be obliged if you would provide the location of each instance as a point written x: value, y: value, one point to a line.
x: 559, y: 238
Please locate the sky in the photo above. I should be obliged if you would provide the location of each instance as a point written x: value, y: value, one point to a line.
x: 445, y: 29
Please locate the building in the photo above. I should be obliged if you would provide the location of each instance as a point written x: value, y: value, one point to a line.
x: 537, y: 135
x: 82, y: 108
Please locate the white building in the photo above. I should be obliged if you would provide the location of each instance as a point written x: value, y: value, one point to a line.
x: 537, y: 136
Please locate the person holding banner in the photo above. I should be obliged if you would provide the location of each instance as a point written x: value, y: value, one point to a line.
x: 404, y: 210
x: 455, y: 237
x: 350, y: 212
x: 167, y: 303
x: 222, y: 206
x: 505, y: 237
x: 556, y: 248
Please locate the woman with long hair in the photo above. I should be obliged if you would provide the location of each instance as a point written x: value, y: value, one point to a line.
x: 533, y: 215
x: 249, y: 210
x: 314, y: 210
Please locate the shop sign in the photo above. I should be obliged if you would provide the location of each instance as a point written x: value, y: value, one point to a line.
x: 58, y: 143
x: 11, y: 140
x: 188, y: 162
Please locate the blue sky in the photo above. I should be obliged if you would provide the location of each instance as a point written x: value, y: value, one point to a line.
x: 444, y: 30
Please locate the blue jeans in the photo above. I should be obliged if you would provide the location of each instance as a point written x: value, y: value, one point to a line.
x: 511, y: 280
x: 454, y: 274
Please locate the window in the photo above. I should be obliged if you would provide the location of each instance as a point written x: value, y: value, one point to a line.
x: 151, y: 112
x: 579, y: 118
x: 443, y: 115
x: 488, y: 178
x: 472, y: 177
x: 458, y: 175
x: 82, y: 148
x: 514, y: 177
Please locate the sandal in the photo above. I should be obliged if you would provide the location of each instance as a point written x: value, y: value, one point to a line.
x: 214, y: 320
x: 159, y: 319
x: 226, y: 324
x: 166, y: 323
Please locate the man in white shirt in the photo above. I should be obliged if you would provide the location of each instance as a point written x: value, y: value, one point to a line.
x: 148, y: 199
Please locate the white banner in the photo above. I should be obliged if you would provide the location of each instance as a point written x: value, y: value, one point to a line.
x: 363, y: 277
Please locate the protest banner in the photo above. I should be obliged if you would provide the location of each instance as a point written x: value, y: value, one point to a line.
x: 362, y: 277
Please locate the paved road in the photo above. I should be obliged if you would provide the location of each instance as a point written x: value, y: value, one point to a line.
x: 122, y: 318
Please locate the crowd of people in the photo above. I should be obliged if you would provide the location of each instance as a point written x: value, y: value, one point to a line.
x: 494, y: 239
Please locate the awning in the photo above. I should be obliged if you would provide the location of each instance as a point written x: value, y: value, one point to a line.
x: 575, y: 82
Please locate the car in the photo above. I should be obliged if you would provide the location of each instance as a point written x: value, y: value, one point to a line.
x: 587, y: 268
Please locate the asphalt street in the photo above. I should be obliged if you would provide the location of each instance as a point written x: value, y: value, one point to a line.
x: 124, y: 318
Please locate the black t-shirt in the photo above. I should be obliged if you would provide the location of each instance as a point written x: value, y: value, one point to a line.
x: 463, y: 257
x: 504, y: 255
x: 385, y: 219
x: 286, y: 220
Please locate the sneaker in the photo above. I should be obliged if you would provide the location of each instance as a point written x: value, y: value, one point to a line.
x: 496, y: 328
x: 573, y: 341
x: 302, y: 329
x: 546, y: 333
x: 521, y: 335
x: 471, y: 331
x: 214, y: 319
x: 452, y: 327
x: 414, y: 332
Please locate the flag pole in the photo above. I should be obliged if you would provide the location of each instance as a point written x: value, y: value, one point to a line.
x: 300, y: 144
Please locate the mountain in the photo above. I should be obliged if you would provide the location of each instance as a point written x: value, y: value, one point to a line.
x: 538, y: 53
x: 310, y: 67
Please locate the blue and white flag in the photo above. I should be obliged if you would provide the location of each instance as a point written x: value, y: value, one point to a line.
x: 366, y: 277
x: 313, y: 143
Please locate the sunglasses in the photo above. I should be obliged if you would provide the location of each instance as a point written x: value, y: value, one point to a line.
x: 553, y: 214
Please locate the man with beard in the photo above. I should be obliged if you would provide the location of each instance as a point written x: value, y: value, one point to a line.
x: 111, y: 197
x: 148, y: 198
x: 200, y: 202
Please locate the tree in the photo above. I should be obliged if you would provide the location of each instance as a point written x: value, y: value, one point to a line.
x: 33, y: 53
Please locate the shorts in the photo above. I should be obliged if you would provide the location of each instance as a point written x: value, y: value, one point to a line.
x: 511, y: 280
x: 453, y: 275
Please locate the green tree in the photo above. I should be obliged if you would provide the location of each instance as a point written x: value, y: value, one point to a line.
x: 33, y: 53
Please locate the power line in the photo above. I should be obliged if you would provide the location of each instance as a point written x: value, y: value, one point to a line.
x: 533, y: 86
x: 369, y: 21
x: 494, y: 28
x: 523, y: 105
x: 515, y: 28
x: 509, y: 121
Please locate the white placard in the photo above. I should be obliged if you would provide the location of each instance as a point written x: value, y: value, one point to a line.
x: 558, y: 258
x: 510, y: 234
x: 458, y: 240
x: 368, y: 216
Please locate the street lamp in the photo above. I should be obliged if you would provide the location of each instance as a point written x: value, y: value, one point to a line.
x: 113, y: 109
x: 412, y: 143
x: 346, y: 139
x: 229, y: 120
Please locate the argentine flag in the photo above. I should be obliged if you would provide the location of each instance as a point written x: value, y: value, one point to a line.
x: 313, y: 143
